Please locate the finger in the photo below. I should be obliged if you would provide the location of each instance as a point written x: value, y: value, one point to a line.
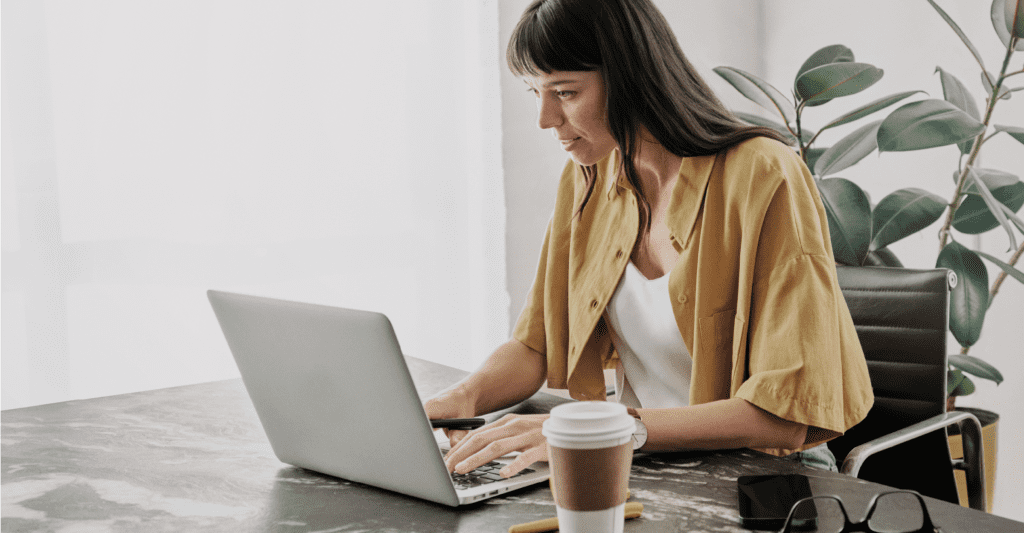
x: 455, y: 436
x: 473, y: 441
x: 524, y: 460
x: 486, y: 454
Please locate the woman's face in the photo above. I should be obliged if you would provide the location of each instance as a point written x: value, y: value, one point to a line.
x: 574, y: 106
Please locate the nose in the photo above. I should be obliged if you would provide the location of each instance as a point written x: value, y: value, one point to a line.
x: 549, y: 113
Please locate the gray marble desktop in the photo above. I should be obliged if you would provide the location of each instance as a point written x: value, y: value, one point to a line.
x: 195, y: 458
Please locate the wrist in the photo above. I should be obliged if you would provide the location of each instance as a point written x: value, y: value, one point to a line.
x: 640, y: 433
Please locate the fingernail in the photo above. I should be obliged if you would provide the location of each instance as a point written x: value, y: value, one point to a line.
x: 505, y: 472
x: 461, y: 468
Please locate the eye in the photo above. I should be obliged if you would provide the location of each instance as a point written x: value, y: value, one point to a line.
x: 564, y: 94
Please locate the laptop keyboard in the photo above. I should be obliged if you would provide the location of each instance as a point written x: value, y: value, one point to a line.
x: 483, y: 475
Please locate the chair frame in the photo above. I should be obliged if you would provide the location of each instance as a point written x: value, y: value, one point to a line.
x: 972, y: 464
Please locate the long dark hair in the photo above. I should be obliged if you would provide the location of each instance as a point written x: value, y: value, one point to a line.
x: 648, y: 80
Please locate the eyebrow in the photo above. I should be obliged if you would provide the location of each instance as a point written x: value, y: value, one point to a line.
x: 559, y: 82
x: 553, y: 83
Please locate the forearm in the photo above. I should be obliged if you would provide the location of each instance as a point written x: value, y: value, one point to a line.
x: 511, y: 374
x: 724, y: 424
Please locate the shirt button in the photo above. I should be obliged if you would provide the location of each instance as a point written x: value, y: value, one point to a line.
x: 593, y: 304
x: 683, y: 298
x: 618, y: 254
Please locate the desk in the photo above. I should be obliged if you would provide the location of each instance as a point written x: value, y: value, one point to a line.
x: 195, y: 458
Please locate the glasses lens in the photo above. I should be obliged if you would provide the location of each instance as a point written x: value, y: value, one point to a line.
x: 897, y: 513
x: 820, y: 514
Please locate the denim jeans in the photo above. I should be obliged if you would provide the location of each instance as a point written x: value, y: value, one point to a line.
x: 818, y: 457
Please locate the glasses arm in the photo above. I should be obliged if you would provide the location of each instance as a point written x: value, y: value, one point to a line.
x: 972, y: 464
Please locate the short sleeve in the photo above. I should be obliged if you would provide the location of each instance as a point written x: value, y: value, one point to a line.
x: 804, y: 362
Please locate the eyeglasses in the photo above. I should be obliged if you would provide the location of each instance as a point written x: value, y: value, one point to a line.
x: 898, y: 511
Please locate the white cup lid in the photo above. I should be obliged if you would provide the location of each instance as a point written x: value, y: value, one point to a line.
x: 586, y: 421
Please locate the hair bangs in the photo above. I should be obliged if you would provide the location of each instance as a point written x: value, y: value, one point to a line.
x: 547, y: 39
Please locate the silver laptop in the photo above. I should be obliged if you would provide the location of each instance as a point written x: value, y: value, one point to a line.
x: 334, y: 395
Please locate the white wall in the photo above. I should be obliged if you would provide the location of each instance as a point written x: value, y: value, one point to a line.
x: 344, y: 153
x: 908, y: 40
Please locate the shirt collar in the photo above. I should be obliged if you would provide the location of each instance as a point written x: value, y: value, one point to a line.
x: 687, y: 195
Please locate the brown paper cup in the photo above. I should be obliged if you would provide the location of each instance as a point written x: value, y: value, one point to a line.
x: 590, y: 453
x: 590, y: 480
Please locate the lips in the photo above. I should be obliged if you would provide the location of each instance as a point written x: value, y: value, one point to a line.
x: 568, y: 143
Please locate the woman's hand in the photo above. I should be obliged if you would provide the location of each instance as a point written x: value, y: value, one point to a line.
x: 450, y: 404
x: 510, y: 433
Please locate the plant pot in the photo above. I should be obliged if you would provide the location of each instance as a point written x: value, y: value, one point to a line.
x: 989, y: 432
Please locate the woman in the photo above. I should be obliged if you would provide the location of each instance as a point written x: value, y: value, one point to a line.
x: 687, y: 250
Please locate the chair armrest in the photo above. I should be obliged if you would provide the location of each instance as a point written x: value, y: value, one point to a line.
x: 972, y: 463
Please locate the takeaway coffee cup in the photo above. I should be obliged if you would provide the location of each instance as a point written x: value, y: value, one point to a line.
x: 590, y: 452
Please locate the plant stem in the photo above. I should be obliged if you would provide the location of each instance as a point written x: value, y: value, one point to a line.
x: 975, y: 149
x: 799, y: 136
x: 998, y: 283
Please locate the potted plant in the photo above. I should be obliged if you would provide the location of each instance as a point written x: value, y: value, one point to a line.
x: 983, y: 199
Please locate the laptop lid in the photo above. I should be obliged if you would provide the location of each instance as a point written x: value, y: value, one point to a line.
x: 333, y: 393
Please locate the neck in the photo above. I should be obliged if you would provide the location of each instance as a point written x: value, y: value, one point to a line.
x: 658, y: 168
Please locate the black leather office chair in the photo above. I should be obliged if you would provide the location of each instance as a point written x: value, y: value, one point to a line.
x: 901, y: 316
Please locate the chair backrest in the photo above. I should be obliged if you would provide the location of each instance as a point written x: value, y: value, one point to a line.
x: 901, y: 317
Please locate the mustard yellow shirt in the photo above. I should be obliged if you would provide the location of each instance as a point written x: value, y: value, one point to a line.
x: 754, y: 291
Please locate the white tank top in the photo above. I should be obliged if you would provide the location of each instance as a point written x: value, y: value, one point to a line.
x: 655, y: 366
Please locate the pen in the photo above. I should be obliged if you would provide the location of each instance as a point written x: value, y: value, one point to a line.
x: 633, y: 510
x: 457, y: 423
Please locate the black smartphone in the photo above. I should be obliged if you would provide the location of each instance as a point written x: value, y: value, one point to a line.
x: 765, y: 501
x: 457, y: 423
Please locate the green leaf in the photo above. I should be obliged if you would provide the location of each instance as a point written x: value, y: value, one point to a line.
x: 968, y: 301
x: 849, y: 150
x: 835, y: 53
x: 868, y: 109
x: 995, y: 179
x: 973, y: 215
x: 834, y: 80
x: 849, y: 219
x: 926, y: 124
x: 1010, y: 271
x: 1013, y: 131
x: 1004, y: 91
x: 1014, y: 17
x: 959, y: 33
x: 813, y: 154
x: 953, y: 380
x: 966, y: 387
x: 993, y: 206
x: 998, y: 16
x: 902, y: 213
x: 759, y: 91
x: 882, y: 257
x: 975, y: 367
x: 955, y: 93
x: 1014, y: 218
x: 758, y: 120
